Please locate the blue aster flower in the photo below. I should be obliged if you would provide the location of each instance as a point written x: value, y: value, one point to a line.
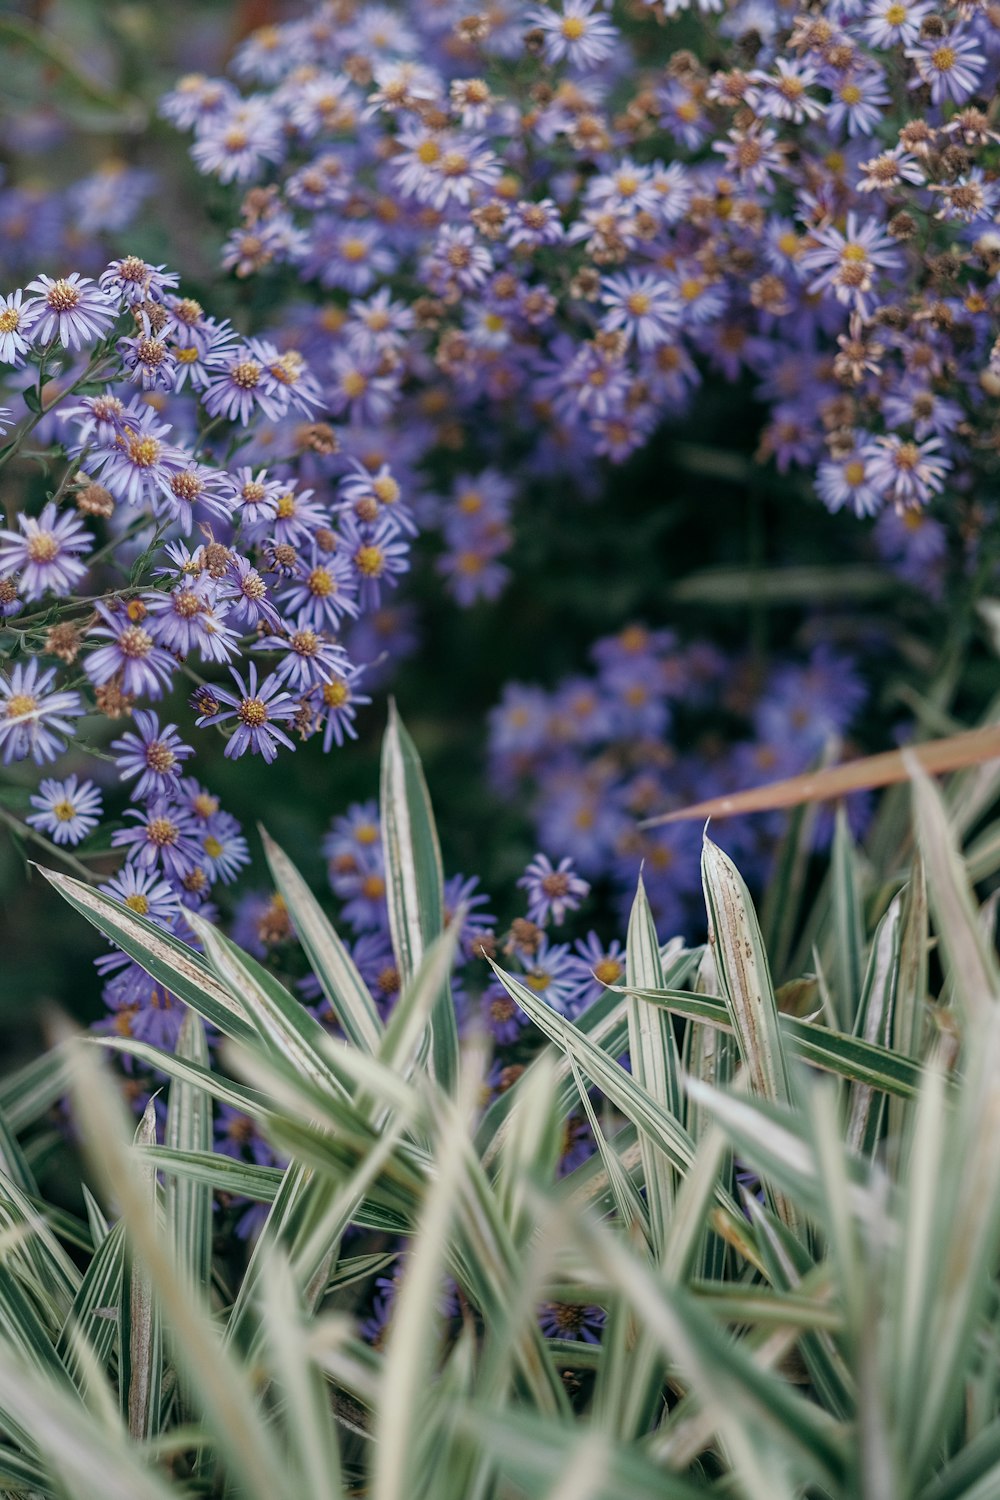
x: 67, y: 810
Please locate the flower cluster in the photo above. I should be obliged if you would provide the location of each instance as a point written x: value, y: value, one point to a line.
x: 641, y: 735
x: 556, y: 215
x: 222, y: 561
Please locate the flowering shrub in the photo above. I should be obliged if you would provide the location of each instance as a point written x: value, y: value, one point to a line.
x: 572, y: 217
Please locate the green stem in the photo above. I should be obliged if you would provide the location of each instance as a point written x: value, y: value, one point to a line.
x: 25, y: 831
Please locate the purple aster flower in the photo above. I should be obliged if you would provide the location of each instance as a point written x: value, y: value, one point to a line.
x: 805, y: 706
x: 548, y: 973
x: 355, y: 833
x: 235, y: 146
x: 34, y: 718
x: 890, y: 23
x: 297, y: 515
x: 504, y: 1018
x: 970, y: 198
x: 457, y: 259
x: 472, y: 570
x: 225, y: 851
x: 194, y: 485
x: 140, y: 463
x: 377, y: 554
x: 904, y: 472
x: 462, y: 892
x: 153, y: 755
x: 14, y: 325
x: 644, y: 306
x: 71, y: 309
x: 858, y: 103
x: 132, y: 281
x: 951, y: 65
x: 258, y: 709
x: 533, y: 224
x: 163, y: 835
x: 755, y: 156
x: 131, y: 650
x: 783, y: 94
x: 237, y: 1135
x: 580, y: 34
x: 359, y: 385
x: 888, y: 170
x: 571, y: 1320
x: 337, y: 703
x: 145, y: 892
x: 307, y: 660
x: 553, y: 890
x: 197, y: 100
x: 243, y: 589
x: 322, y: 589
x: 147, y: 357
x: 844, y: 481
x: 186, y: 618
x: 848, y: 262
x: 242, y: 383
x: 67, y: 810
x: 145, y: 1010
x: 369, y: 496
x: 47, y: 554
x: 294, y: 384
x: 595, y: 965
x: 255, y: 500
x: 98, y: 421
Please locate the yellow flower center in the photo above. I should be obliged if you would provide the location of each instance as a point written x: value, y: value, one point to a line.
x: 134, y: 642
x: 10, y: 319
x: 336, y: 693
x: 854, y: 472
x: 638, y: 304
x: 286, y: 507
x: 64, y: 811
x: 246, y: 374
x: 43, y: 546
x: 138, y: 903
x: 143, y: 451
x: 608, y: 971
x: 573, y: 28
x: 369, y: 561
x: 212, y: 847
x: 353, y: 248
x: 252, y: 712
x: 854, y: 254
x: 428, y: 152
x: 386, y: 489
x: 20, y: 705
x: 62, y: 297
x: 354, y: 384
x: 321, y: 583
x: 161, y: 832
x: 895, y: 15
x: 943, y: 59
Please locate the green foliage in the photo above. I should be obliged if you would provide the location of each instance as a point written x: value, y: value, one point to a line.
x: 834, y: 1336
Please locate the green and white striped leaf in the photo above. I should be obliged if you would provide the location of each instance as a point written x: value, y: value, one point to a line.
x: 415, y: 880
x: 346, y: 992
x: 653, y: 1054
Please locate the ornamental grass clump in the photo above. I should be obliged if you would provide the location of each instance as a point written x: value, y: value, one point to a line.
x: 775, y: 1276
